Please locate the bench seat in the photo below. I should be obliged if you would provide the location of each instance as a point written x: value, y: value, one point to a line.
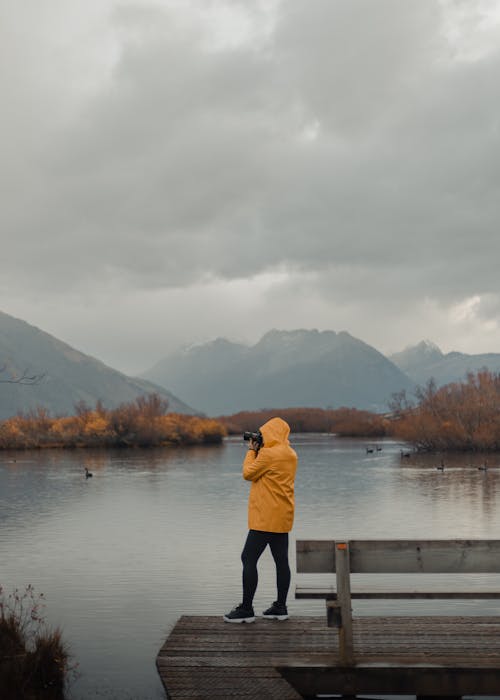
x: 389, y: 563
x: 387, y: 593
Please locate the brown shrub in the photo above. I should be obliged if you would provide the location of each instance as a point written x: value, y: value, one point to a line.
x: 143, y: 422
x: 35, y: 663
x: 459, y: 416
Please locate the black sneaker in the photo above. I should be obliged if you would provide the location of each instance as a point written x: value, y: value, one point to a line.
x: 276, y: 612
x: 240, y: 614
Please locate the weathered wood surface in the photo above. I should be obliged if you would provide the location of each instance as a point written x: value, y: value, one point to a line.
x: 343, y: 580
x: 388, y: 591
x: 402, y: 556
x: 205, y: 658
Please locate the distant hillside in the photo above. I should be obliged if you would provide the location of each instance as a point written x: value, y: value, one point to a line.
x: 70, y: 376
x: 425, y: 360
x: 285, y: 368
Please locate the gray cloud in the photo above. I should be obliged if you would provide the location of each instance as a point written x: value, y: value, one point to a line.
x: 348, y: 148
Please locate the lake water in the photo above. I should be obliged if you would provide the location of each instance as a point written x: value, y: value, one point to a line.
x: 158, y: 533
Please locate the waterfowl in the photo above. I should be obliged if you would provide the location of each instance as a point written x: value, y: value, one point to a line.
x: 405, y: 454
x: 483, y: 467
x: 87, y: 473
x: 441, y: 466
x: 369, y: 450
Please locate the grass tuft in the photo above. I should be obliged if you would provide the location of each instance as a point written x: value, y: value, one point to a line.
x: 35, y: 663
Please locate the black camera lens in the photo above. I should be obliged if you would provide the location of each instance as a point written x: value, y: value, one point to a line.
x: 256, y: 437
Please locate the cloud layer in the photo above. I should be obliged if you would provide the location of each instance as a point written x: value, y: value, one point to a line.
x: 329, y: 164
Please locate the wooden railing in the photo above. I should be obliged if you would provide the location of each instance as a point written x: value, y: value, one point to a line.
x: 346, y: 557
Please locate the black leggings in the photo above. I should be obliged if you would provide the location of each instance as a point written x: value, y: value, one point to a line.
x: 256, y: 543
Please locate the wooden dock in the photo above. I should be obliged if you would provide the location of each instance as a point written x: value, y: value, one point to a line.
x: 204, y: 657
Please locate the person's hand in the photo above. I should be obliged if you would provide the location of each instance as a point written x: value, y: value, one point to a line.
x: 254, y: 445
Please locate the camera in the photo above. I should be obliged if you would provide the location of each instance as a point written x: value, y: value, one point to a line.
x: 256, y: 437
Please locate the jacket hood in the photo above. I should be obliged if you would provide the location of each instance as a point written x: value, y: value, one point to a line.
x: 275, y: 432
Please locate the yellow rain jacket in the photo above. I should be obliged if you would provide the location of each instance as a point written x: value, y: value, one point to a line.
x: 272, y: 472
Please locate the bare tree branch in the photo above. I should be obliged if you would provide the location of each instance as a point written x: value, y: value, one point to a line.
x: 25, y: 378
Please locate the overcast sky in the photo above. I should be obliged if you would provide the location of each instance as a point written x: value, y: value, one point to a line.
x: 176, y: 171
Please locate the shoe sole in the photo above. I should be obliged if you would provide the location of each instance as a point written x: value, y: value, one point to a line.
x: 276, y: 617
x: 242, y: 619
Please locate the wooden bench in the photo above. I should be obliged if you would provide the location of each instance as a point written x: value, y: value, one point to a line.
x: 346, y: 557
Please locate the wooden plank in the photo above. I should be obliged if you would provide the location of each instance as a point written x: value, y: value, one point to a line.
x: 344, y: 600
x: 383, y: 591
x: 205, y: 658
x: 425, y: 681
x: 402, y: 556
x: 315, y: 556
x: 425, y: 556
x: 308, y: 636
x: 245, y: 682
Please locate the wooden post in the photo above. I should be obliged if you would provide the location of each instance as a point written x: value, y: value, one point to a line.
x: 343, y: 572
x: 333, y: 614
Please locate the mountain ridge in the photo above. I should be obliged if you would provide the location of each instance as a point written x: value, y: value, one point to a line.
x: 300, y: 367
x: 425, y: 360
x: 69, y: 376
x: 284, y: 368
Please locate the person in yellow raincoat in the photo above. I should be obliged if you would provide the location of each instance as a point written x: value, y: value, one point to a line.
x: 270, y: 464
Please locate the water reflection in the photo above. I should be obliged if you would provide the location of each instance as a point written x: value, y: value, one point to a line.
x: 158, y: 533
x: 459, y: 489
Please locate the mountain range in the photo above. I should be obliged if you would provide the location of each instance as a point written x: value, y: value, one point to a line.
x: 306, y: 368
x: 425, y: 360
x: 67, y: 376
x: 283, y: 369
